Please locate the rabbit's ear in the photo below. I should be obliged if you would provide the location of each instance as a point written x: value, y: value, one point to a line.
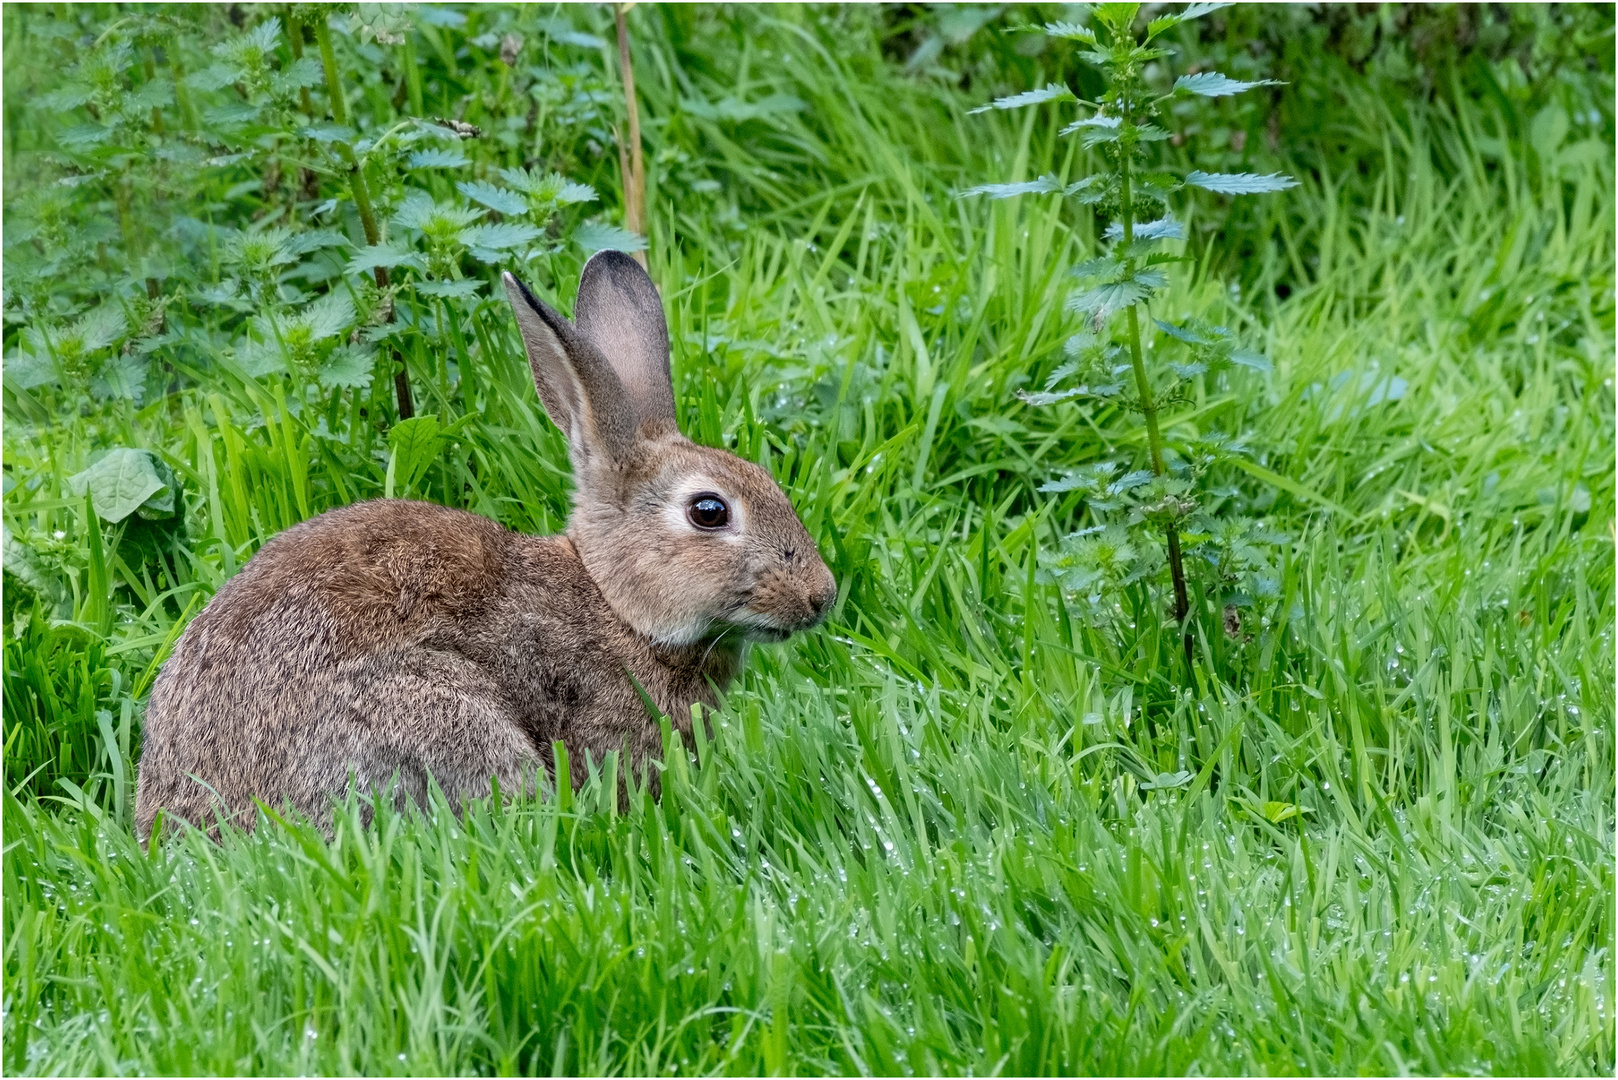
x: 580, y: 390
x: 620, y: 312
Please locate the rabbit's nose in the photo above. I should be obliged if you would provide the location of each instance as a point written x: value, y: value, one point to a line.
x: 822, y: 594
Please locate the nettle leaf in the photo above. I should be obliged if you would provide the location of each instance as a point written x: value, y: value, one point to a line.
x: 1048, y: 397
x: 550, y: 187
x: 124, y: 481
x: 1180, y: 333
x: 1239, y: 183
x: 593, y: 236
x: 1048, y: 92
x: 1103, y: 300
x: 495, y: 198
x: 1070, y: 31
x: 347, y: 368
x: 1197, y: 11
x: 25, y: 370
x: 315, y: 240
x: 452, y: 158
x: 1165, y: 228
x: 1043, y: 185
x: 453, y: 289
x: 1213, y: 84
x: 1247, y: 358
x: 367, y: 259
x: 1097, y: 267
x: 1099, y: 120
x: 330, y: 315
x: 122, y: 378
x: 507, y: 234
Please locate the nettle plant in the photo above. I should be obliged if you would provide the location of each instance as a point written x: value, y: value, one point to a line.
x: 1163, y: 514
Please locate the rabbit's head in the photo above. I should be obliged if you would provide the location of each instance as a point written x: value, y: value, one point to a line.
x: 685, y: 542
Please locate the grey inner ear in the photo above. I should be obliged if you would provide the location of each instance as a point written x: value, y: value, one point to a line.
x: 581, y: 392
x: 620, y: 313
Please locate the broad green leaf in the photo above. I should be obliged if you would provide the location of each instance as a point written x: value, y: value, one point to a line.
x: 495, y: 198
x: 1239, y: 183
x: 1048, y: 92
x: 415, y: 444
x: 1213, y: 84
x: 21, y: 562
x: 121, y: 482
x: 1043, y: 185
x: 25, y: 370
x: 593, y: 236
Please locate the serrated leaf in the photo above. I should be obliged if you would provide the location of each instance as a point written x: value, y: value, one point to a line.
x: 1239, y: 183
x: 1103, y: 300
x: 594, y: 236
x: 369, y: 258
x: 314, y: 240
x: 1043, y: 185
x: 348, y: 368
x: 328, y: 316
x: 1098, y: 120
x: 1049, y: 397
x: 495, y: 198
x: 1212, y: 84
x: 1070, y: 31
x: 1048, y: 92
x: 1180, y: 333
x: 438, y: 159
x: 1247, y: 358
x: 507, y: 234
x: 1092, y: 268
x: 454, y: 289
x: 121, y: 482
x: 1197, y: 11
x: 121, y: 378
x: 1165, y: 228
x: 25, y: 370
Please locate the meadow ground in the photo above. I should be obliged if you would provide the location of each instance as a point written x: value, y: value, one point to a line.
x: 960, y: 829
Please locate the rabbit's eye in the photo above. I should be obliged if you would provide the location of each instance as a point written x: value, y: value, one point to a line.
x: 709, y: 512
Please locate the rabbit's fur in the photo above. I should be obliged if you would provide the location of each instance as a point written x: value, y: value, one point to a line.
x: 390, y: 641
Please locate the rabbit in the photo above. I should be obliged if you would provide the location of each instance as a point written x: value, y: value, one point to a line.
x: 390, y: 641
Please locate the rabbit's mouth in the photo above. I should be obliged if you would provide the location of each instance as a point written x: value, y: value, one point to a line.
x: 771, y: 634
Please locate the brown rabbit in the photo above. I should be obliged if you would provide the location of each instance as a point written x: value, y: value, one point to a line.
x: 392, y: 641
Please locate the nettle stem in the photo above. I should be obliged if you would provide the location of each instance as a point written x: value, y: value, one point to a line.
x: 362, y: 202
x: 1148, y: 406
x: 630, y: 163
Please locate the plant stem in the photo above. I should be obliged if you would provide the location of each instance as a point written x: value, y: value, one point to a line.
x: 1148, y: 408
x: 631, y: 165
x: 362, y: 202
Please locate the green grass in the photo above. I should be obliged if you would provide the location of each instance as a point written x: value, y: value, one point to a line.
x: 920, y: 840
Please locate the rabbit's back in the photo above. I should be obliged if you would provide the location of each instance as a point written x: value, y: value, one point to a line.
x: 388, y: 640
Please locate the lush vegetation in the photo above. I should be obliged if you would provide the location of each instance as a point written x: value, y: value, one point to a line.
x: 971, y: 825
